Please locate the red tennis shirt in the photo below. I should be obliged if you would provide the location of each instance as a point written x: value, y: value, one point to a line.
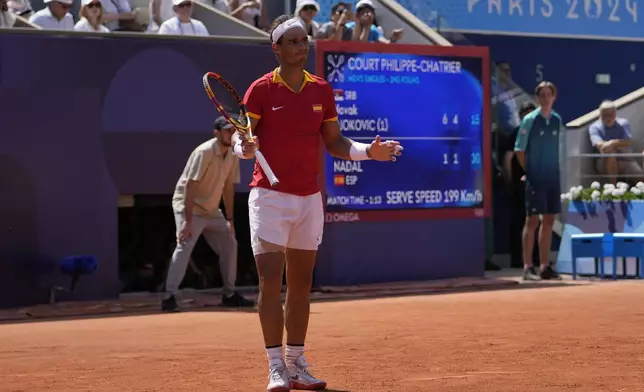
x: 289, y: 129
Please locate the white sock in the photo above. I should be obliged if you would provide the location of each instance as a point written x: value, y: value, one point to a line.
x: 274, y: 353
x: 293, y: 353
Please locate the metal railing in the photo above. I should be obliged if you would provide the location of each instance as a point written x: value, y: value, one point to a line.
x: 597, y: 175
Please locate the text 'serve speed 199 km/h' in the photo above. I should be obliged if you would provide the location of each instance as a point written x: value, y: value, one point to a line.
x: 433, y: 105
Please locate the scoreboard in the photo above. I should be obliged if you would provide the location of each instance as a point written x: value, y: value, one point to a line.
x: 435, y: 102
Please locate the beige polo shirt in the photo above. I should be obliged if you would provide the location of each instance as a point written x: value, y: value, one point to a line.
x: 210, y: 169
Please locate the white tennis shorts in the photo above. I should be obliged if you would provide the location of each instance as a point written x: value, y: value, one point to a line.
x: 291, y: 221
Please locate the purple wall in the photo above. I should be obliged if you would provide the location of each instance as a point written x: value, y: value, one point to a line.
x: 111, y: 116
x: 119, y: 115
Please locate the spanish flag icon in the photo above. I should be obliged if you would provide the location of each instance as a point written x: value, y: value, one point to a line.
x: 317, y: 108
x: 338, y: 180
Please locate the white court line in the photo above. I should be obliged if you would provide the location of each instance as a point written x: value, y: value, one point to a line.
x: 465, y: 375
x: 409, y: 137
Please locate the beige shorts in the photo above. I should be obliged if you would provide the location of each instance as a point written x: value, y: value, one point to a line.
x: 623, y: 167
x: 290, y: 221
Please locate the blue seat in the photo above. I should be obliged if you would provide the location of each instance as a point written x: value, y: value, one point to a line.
x: 601, y: 245
x: 597, y: 246
x: 74, y: 267
x: 630, y: 245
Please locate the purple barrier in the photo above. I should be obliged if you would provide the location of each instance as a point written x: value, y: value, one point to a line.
x: 119, y: 115
x: 109, y: 116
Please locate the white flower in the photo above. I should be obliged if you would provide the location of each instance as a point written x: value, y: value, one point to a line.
x: 608, y: 192
x: 640, y: 185
x: 595, y: 195
x: 565, y: 196
x: 621, y: 184
x: 636, y: 191
x: 609, y: 186
x: 616, y: 192
x: 596, y: 185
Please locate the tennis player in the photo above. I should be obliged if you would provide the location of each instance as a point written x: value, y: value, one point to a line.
x: 290, y: 109
x: 537, y: 150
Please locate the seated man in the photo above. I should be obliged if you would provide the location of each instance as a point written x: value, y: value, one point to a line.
x: 612, y: 135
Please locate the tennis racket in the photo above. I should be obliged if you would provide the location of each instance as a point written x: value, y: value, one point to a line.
x: 232, y: 107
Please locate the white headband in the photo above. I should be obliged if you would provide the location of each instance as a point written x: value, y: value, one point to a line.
x: 282, y: 28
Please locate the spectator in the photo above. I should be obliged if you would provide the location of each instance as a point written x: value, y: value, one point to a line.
x: 508, y: 118
x: 20, y: 7
x: 363, y: 29
x: 237, y: 12
x: 249, y: 11
x: 222, y: 5
x: 612, y: 135
x: 91, y: 13
x: 183, y: 24
x: 54, y: 16
x: 160, y: 11
x: 512, y: 173
x: 119, y: 16
x: 306, y: 10
x: 336, y: 29
x: 7, y: 19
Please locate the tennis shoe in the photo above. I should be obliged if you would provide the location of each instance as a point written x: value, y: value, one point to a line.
x: 301, y: 378
x: 278, y: 376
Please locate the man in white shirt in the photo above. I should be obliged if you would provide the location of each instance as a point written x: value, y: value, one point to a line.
x: 182, y: 23
x: 55, y: 16
x: 209, y: 175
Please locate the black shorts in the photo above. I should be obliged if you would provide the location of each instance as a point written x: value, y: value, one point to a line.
x: 542, y: 199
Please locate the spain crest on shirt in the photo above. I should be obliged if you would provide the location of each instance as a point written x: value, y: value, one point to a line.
x: 317, y: 108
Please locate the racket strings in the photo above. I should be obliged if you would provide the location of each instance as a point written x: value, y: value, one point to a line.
x: 227, y: 102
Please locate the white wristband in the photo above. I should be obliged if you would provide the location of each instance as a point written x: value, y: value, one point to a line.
x: 238, y: 150
x: 358, y: 151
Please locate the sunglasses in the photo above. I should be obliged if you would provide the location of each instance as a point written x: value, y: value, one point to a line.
x: 93, y: 5
x: 64, y: 5
x: 185, y: 5
x: 309, y: 8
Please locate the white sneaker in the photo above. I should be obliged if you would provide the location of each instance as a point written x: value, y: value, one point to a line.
x: 278, y: 380
x: 301, y: 378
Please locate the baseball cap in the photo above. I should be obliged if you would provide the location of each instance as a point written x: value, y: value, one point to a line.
x: 68, y: 2
x: 85, y: 2
x: 220, y: 122
x: 365, y: 3
x: 303, y: 3
x: 177, y: 2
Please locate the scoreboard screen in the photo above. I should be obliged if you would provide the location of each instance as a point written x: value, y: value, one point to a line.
x: 434, y: 105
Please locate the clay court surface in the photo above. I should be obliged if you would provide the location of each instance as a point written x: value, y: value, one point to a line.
x: 576, y: 338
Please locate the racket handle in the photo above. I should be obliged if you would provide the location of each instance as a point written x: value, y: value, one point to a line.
x: 267, y: 169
